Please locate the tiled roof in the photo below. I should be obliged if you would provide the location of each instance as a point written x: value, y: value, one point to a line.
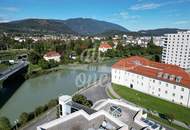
x: 105, y: 45
x: 165, y: 72
x: 52, y: 54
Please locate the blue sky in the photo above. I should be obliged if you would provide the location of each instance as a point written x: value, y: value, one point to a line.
x: 132, y: 14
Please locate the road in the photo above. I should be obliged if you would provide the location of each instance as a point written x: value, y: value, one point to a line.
x: 12, y: 69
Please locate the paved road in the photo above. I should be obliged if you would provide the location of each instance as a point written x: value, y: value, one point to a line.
x: 97, y: 92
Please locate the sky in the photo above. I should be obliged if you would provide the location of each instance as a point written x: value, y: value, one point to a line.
x: 132, y: 14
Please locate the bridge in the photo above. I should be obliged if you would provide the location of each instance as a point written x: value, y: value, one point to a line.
x: 13, y: 69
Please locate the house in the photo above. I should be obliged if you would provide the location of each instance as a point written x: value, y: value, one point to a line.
x: 165, y: 81
x: 107, y: 114
x: 52, y: 55
x: 104, y: 46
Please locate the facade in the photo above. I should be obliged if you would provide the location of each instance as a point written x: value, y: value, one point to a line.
x: 176, y: 49
x: 165, y: 81
x: 104, y: 47
x: 52, y: 55
x: 106, y: 114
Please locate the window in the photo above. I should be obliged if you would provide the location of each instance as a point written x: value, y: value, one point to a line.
x: 159, y: 89
x: 173, y: 94
x: 182, y: 89
x: 174, y: 87
x: 166, y: 85
x: 181, y: 97
x: 160, y: 82
x: 131, y: 85
x: 166, y: 92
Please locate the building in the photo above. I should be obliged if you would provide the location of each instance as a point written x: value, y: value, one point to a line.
x: 106, y: 114
x: 176, y: 49
x: 104, y: 46
x: 165, y: 81
x: 52, y: 55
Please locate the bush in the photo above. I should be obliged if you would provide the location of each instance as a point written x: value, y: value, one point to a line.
x: 52, y: 103
x: 81, y: 99
x: 5, y: 123
x: 23, y: 119
x: 39, y: 110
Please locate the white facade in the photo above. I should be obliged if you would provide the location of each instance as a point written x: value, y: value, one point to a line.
x: 56, y: 58
x: 176, y: 49
x: 158, y: 88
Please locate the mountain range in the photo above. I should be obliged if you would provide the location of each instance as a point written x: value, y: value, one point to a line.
x: 79, y: 26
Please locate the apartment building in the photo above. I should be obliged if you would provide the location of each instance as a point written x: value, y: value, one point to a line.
x: 176, y: 49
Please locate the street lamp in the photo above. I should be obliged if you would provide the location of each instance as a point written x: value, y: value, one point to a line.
x: 16, y: 122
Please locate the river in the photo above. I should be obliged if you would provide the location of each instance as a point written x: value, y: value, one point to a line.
x: 38, y: 91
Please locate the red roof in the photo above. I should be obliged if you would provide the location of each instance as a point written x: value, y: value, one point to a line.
x: 105, y: 45
x: 52, y: 54
x: 165, y: 72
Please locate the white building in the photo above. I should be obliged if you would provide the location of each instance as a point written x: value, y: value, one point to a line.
x: 104, y: 46
x: 52, y: 55
x: 168, y: 82
x: 176, y: 49
x: 106, y: 114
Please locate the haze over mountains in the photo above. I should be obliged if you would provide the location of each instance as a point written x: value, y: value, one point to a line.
x: 80, y: 26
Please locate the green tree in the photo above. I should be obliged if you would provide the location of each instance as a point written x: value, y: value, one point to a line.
x: 5, y: 123
x: 44, y: 64
x: 24, y: 117
x: 34, y: 57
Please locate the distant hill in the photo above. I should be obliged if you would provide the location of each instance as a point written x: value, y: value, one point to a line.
x: 160, y: 32
x: 82, y: 26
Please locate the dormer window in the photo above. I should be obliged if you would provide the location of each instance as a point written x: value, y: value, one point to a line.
x: 172, y: 77
x: 166, y: 75
x: 160, y: 74
x: 178, y: 79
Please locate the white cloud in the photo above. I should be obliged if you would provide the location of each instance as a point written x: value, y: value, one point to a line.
x: 125, y: 16
x: 146, y: 6
x: 9, y: 9
x: 182, y: 22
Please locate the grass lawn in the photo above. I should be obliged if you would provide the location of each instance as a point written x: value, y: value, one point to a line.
x: 3, y: 67
x: 152, y: 103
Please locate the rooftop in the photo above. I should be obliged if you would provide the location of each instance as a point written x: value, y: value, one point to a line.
x: 105, y: 45
x: 165, y: 72
x: 52, y: 54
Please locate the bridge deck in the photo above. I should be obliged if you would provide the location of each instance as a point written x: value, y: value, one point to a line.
x: 8, y: 72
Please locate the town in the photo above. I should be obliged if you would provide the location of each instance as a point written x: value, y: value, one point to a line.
x: 88, y: 69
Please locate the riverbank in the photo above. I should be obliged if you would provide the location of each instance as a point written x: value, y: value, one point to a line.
x: 35, y: 70
x: 39, y: 90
